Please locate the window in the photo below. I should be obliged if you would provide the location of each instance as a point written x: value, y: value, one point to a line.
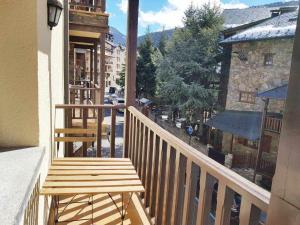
x: 247, y: 97
x: 266, y: 143
x: 246, y: 142
x: 268, y: 59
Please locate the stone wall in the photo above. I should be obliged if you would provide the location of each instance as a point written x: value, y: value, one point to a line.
x: 252, y: 75
x: 239, y: 148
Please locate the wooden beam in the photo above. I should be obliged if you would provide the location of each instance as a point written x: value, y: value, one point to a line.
x: 262, y: 127
x: 131, y: 52
x: 102, y: 67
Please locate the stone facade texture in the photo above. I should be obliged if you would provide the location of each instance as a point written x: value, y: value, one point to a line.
x: 252, y: 75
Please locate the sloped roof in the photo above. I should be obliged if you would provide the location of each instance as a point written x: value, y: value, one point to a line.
x: 238, y: 17
x: 244, y: 124
x: 283, y: 26
x: 278, y: 93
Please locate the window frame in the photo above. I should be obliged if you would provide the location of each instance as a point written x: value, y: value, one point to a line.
x: 269, y: 57
x: 248, y: 93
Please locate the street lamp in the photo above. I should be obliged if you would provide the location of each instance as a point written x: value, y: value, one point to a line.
x: 54, y: 11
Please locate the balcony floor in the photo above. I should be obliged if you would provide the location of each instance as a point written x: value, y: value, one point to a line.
x: 102, y: 211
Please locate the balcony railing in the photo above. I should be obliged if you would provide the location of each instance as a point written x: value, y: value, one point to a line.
x: 180, y: 182
x: 83, y: 95
x: 85, y: 7
x: 85, y: 124
x: 273, y: 124
x: 175, y: 174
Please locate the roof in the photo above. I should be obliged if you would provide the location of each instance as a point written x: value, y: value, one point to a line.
x: 279, y: 93
x: 244, y: 124
x: 238, y: 17
x: 145, y: 101
x: 282, y: 26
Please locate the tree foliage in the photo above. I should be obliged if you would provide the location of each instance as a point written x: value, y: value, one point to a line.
x: 187, y: 74
x: 121, y: 80
x: 146, y: 69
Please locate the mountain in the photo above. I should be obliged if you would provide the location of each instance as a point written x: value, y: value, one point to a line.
x: 156, y: 36
x: 119, y: 38
x: 279, y: 4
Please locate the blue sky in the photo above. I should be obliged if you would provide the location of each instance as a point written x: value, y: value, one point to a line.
x: 159, y: 14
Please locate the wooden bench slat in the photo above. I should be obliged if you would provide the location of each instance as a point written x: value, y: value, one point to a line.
x: 93, y: 183
x: 75, y: 139
x: 71, y: 163
x: 90, y: 172
x: 91, y: 190
x: 91, y: 168
x: 75, y: 131
x: 87, y: 159
x: 92, y: 178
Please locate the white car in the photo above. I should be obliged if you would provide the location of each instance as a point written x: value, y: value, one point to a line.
x: 119, y: 101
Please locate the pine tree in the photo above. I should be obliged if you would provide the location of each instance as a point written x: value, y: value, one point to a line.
x: 162, y: 42
x: 121, y: 80
x: 146, y: 69
x: 187, y: 74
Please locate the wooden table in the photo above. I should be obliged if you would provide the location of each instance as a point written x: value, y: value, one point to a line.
x: 91, y: 176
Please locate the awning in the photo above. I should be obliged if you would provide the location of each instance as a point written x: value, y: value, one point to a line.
x: 240, y: 123
x: 278, y: 93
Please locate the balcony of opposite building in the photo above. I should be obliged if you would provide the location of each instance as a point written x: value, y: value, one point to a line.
x: 87, y: 20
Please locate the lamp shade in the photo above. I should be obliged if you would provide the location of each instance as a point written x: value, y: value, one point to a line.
x: 54, y: 12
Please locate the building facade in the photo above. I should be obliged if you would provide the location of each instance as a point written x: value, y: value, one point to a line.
x: 114, y: 61
x: 260, y: 61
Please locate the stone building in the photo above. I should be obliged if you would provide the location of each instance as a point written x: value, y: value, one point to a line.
x: 260, y: 60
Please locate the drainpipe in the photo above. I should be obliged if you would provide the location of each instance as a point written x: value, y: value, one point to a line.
x: 262, y: 129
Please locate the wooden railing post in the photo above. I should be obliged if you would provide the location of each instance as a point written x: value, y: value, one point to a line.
x: 113, y: 134
x: 84, y: 126
x: 224, y: 204
x: 249, y: 214
x: 99, y: 132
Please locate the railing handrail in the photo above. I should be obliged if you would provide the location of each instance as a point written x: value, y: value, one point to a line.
x: 73, y: 106
x: 85, y: 88
x: 237, y: 183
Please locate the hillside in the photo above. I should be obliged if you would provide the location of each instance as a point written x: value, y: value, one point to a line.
x: 280, y: 4
x: 156, y: 36
x: 119, y: 38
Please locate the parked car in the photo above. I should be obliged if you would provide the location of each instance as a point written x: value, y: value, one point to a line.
x: 119, y: 101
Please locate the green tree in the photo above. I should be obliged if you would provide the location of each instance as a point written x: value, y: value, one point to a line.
x: 146, y: 69
x: 187, y: 75
x: 163, y: 43
x: 121, y: 80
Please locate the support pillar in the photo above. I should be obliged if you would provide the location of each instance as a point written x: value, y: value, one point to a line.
x: 102, y: 68
x: 130, y: 77
x: 262, y: 128
x: 284, y: 206
x: 95, y: 63
x: 91, y: 65
x: 72, y: 63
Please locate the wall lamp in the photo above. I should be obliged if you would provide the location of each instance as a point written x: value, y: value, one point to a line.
x: 54, y: 11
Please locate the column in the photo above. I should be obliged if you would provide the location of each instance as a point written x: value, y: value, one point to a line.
x: 130, y: 77
x: 72, y: 63
x: 102, y: 67
x: 284, y: 206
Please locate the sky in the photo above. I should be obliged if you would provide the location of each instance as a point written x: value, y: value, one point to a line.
x: 166, y: 14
